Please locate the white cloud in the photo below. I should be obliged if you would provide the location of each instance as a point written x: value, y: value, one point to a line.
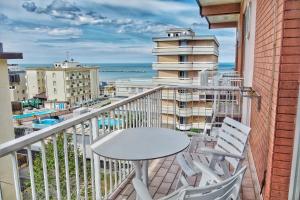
x: 51, y: 31
x: 154, y: 6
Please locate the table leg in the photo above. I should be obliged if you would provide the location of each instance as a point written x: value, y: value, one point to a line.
x: 138, y: 172
x: 145, y: 172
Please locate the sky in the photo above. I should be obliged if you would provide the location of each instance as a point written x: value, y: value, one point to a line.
x: 99, y: 31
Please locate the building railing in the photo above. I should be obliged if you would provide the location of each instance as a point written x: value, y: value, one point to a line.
x: 177, y: 50
x: 62, y: 156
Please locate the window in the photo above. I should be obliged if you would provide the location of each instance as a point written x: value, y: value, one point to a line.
x: 183, y: 43
x: 182, y: 104
x: 132, y: 89
x: 183, y: 74
x: 53, y: 75
x: 54, y: 90
x: 23, y: 91
x: 182, y: 91
x: 182, y: 120
x: 54, y: 83
x: 183, y: 58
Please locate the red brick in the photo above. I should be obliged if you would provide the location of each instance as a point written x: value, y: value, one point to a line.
x: 281, y: 187
x: 291, y: 5
x: 281, y: 172
x: 281, y: 164
x: 288, y: 85
x: 287, y: 109
x: 284, y: 134
x: 283, y: 149
x: 282, y: 157
x: 285, y: 126
x: 280, y: 179
x: 293, y: 32
x: 284, y: 142
x: 287, y: 101
x: 294, y: 23
x: 292, y: 14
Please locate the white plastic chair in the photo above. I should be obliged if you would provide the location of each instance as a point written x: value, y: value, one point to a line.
x: 226, y: 190
x: 227, y: 154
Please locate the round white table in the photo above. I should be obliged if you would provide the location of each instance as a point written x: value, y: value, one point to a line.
x: 140, y: 145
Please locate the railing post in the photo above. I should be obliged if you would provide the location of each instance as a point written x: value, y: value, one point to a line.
x: 16, y: 175
x: 95, y: 131
x: 148, y: 111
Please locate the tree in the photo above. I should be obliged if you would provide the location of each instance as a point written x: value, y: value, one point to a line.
x: 38, y: 169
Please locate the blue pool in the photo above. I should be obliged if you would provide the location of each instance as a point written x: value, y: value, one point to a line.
x: 31, y: 114
x: 43, y: 123
x: 112, y: 122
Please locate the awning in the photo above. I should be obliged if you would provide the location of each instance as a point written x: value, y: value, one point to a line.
x: 9, y: 55
x: 220, y: 13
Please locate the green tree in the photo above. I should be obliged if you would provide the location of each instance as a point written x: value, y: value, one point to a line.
x: 38, y: 169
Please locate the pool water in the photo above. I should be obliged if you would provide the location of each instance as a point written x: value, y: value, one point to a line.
x: 112, y: 122
x: 43, y: 123
x: 31, y: 114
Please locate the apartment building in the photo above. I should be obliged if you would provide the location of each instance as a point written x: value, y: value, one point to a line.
x: 184, y: 59
x: 66, y: 82
x: 35, y: 82
x: 17, y: 83
x: 130, y: 87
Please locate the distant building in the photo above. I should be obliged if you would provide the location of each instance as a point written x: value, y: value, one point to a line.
x: 183, y: 59
x: 35, y: 79
x: 130, y: 87
x: 65, y: 82
x: 109, y: 89
x: 17, y: 83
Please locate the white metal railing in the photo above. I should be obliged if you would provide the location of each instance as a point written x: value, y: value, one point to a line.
x: 77, y: 173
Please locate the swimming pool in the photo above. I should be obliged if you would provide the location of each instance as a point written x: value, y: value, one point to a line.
x: 112, y: 122
x: 31, y: 114
x: 43, y: 123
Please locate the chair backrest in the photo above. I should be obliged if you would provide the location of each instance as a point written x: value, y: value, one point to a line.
x: 225, y: 190
x: 232, y: 138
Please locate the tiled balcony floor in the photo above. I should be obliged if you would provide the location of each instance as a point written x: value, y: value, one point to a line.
x: 163, y: 178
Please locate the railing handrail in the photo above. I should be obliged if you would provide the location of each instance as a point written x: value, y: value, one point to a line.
x: 19, y: 143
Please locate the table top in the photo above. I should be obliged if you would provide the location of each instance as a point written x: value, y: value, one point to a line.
x: 141, y: 144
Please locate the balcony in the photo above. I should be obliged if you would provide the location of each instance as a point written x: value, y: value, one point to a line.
x: 184, y: 65
x: 172, y: 81
x: 77, y: 173
x: 186, y: 50
x: 187, y: 112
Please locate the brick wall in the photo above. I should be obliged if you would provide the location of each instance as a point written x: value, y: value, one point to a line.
x: 276, y: 76
x: 289, y: 77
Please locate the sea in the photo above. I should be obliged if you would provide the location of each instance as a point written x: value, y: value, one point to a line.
x: 119, y: 71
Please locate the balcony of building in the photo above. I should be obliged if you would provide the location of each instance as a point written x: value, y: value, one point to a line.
x: 184, y: 65
x: 186, y: 50
x: 59, y: 163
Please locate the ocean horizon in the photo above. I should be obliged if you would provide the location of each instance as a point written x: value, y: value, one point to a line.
x: 121, y: 71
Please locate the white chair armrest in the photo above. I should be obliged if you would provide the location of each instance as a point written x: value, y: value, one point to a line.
x: 186, y: 168
x: 206, y: 150
x: 141, y: 189
x: 213, y: 176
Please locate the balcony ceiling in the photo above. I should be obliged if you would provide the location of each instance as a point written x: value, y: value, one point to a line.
x: 220, y: 13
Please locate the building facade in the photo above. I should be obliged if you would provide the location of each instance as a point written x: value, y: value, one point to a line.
x: 268, y: 44
x: 35, y: 82
x: 17, y: 83
x: 127, y: 88
x: 184, y: 59
x: 66, y: 82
